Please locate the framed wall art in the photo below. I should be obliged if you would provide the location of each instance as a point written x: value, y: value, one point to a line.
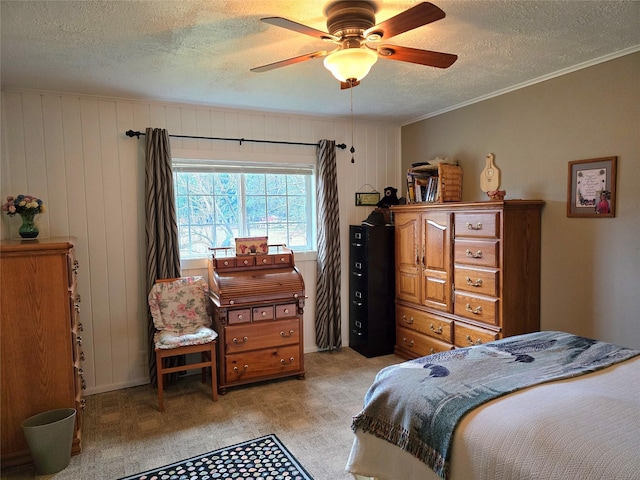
x: 591, y: 190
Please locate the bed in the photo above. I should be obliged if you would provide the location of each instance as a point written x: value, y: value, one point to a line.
x: 546, y: 405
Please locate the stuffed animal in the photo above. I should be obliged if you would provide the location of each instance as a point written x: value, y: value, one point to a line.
x: 390, y: 198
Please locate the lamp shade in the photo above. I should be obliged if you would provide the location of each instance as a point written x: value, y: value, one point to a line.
x: 350, y: 63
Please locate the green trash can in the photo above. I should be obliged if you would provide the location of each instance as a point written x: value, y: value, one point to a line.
x: 50, y: 437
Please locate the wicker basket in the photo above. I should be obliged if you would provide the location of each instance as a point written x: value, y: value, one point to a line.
x: 450, y: 186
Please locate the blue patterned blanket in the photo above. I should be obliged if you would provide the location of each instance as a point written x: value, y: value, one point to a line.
x: 416, y: 405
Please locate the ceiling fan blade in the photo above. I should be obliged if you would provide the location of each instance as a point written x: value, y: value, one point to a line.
x: 290, y: 61
x: 421, y: 14
x: 414, y: 55
x: 298, y: 27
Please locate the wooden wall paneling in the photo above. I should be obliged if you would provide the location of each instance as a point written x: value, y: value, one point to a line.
x: 131, y: 182
x: 114, y: 235
x: 98, y: 159
x: 56, y: 219
x: 173, y: 119
x: 16, y: 165
x: 230, y: 130
x: 77, y: 213
x: 97, y: 241
x: 34, y: 151
x: 217, y: 129
x: 189, y: 127
x: 203, y: 128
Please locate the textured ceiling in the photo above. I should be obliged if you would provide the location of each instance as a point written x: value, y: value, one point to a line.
x: 200, y: 51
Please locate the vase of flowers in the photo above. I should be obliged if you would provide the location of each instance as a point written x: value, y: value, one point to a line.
x: 27, y: 206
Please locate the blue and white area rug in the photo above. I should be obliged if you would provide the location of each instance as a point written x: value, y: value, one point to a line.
x: 264, y: 458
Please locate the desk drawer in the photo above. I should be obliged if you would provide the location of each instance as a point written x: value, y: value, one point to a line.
x: 242, y: 338
x: 264, y: 312
x: 239, y: 316
x: 262, y: 363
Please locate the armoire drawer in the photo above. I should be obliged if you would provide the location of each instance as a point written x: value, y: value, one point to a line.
x: 479, y: 308
x: 467, y: 336
x: 476, y: 280
x: 425, y: 323
x: 418, y: 344
x: 477, y: 224
x: 482, y: 253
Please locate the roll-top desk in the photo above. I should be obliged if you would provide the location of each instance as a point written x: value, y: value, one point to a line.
x: 41, y: 353
x: 258, y: 305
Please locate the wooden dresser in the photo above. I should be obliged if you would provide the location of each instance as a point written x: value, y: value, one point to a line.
x: 40, y: 338
x: 258, y: 305
x: 466, y: 273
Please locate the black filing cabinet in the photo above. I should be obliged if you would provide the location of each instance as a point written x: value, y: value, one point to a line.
x: 371, y: 290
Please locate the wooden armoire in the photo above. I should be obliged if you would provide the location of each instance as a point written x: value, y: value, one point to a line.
x: 466, y: 273
x: 40, y: 340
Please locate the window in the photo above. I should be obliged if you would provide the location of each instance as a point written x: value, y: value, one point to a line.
x: 217, y: 202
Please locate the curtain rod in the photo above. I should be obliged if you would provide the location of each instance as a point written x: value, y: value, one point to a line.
x: 131, y: 133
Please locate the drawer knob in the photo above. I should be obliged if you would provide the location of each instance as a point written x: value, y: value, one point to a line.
x: 470, y: 254
x: 226, y: 263
x: 409, y: 344
x: 238, y: 342
x: 263, y: 314
x: 475, y: 311
x: 477, y: 283
x: 409, y: 321
x: 231, y: 302
x: 471, y: 226
x: 286, y: 310
x: 240, y: 316
x: 472, y: 341
x: 434, y: 329
x: 264, y: 260
x: 283, y: 361
x: 245, y: 262
x: 238, y: 372
x: 287, y: 335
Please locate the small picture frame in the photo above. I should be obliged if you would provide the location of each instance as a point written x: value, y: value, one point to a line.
x: 367, y: 199
x: 591, y: 189
x: 251, y: 246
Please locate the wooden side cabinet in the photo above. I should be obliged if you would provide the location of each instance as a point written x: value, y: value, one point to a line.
x: 40, y: 339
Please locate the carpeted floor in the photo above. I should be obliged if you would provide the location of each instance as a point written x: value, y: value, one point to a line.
x: 124, y: 433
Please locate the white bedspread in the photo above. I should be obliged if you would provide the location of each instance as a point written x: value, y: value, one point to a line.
x: 582, y: 428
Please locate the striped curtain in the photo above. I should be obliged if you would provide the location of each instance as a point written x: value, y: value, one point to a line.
x: 163, y: 253
x: 328, y: 307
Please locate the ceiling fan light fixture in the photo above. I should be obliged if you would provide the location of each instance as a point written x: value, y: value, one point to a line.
x: 350, y: 63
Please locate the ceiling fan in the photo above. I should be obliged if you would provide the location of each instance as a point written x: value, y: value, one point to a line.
x: 358, y: 38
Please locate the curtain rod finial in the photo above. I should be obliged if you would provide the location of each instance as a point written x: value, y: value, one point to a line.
x: 131, y: 133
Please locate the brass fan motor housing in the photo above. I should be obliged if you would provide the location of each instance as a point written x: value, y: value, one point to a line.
x: 350, y: 19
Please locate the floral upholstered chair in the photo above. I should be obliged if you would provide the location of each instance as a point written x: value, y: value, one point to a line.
x: 180, y: 311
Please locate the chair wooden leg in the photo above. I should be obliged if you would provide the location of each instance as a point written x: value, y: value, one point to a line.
x: 214, y: 378
x: 160, y: 376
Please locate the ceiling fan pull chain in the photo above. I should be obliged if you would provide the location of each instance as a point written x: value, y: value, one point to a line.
x: 352, y: 150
